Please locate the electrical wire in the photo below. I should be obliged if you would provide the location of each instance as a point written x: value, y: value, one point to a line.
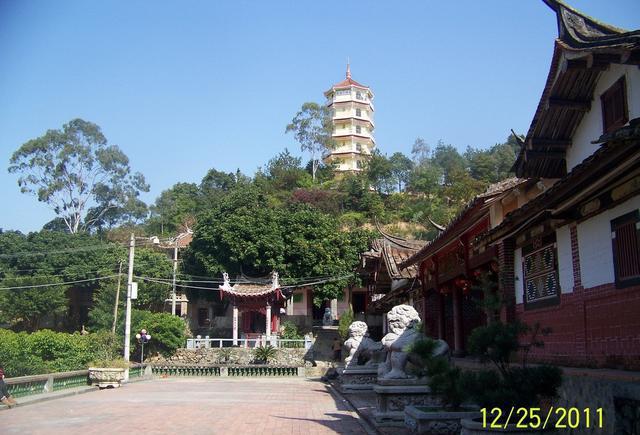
x: 60, y: 251
x: 58, y: 283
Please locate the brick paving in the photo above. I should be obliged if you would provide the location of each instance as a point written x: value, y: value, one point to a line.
x: 191, y: 406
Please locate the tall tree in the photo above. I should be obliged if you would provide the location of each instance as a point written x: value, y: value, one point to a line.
x: 380, y: 172
x: 313, y: 130
x: 401, y: 167
x: 83, y: 179
x: 420, y: 151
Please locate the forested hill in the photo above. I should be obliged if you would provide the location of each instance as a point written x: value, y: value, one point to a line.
x: 400, y: 191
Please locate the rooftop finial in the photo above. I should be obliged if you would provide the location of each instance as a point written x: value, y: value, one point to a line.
x: 348, y: 69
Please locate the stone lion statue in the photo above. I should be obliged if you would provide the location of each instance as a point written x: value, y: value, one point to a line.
x: 359, y: 345
x: 402, y: 321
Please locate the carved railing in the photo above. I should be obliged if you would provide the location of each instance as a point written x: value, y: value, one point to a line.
x: 227, y: 371
x: 38, y: 384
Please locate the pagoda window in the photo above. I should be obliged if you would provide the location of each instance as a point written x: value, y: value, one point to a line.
x: 359, y: 95
x: 358, y: 129
x: 358, y: 112
x: 625, y: 239
x: 614, y: 106
x: 540, y: 272
x: 358, y: 147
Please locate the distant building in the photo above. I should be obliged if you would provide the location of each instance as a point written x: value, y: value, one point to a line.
x: 352, y: 107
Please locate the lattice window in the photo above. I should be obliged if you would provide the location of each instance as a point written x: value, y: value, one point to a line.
x: 540, y: 271
x: 625, y: 238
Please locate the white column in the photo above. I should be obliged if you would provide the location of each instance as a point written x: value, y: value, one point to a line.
x: 334, y: 308
x: 290, y: 306
x: 235, y: 325
x: 268, y: 330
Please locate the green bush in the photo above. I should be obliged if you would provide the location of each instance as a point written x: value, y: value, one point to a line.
x: 510, y: 384
x: 168, y: 332
x: 46, y: 351
x: 290, y: 331
x: 346, y: 319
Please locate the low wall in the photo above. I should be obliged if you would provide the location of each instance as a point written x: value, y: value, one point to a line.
x: 230, y: 356
x: 617, y: 392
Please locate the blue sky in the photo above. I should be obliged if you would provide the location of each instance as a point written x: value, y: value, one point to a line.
x: 183, y: 87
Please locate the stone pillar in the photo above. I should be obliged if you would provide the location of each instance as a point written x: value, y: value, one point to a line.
x: 385, y: 327
x: 458, y: 347
x: 334, y: 308
x: 235, y: 325
x: 290, y: 306
x: 268, y: 325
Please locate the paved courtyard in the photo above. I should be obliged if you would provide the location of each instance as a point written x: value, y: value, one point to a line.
x: 191, y: 406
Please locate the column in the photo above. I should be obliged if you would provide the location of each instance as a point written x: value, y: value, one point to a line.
x: 506, y: 280
x: 235, y: 325
x: 290, y: 306
x: 385, y: 327
x: 458, y: 349
x: 441, y: 308
x: 268, y: 326
x: 334, y: 308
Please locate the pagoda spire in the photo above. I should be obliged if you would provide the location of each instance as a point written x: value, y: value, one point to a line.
x: 348, y: 69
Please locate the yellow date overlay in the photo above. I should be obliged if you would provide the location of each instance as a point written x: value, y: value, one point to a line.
x: 537, y: 418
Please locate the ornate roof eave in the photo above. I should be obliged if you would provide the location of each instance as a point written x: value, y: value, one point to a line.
x: 619, y: 147
x: 584, y: 48
x: 242, y: 289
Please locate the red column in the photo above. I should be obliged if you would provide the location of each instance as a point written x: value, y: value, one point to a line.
x: 458, y: 347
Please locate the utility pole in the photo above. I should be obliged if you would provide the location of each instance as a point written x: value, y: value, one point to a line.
x: 127, y: 322
x: 175, y: 268
x: 115, y: 307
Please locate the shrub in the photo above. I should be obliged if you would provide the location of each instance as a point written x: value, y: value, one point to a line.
x: 509, y: 385
x: 290, y: 331
x: 264, y: 353
x: 346, y: 319
x: 46, y: 351
x: 168, y: 332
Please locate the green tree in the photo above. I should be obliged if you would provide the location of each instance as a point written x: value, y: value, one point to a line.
x: 401, y: 167
x: 83, y: 179
x: 243, y: 234
x: 420, y: 151
x: 313, y: 130
x: 449, y: 159
x: 286, y: 173
x: 175, y: 208
x: 379, y: 172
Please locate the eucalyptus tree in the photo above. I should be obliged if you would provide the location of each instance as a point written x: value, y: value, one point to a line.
x: 86, y: 181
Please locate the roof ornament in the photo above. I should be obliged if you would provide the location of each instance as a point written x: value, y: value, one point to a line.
x: 436, y: 226
x: 348, y: 69
x: 225, y: 277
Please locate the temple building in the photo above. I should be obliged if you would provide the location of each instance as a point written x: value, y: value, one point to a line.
x: 452, y: 267
x: 570, y: 257
x: 352, y: 107
x: 255, y: 307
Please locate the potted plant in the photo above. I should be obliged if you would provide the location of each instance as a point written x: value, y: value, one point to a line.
x: 107, y: 373
x: 108, y: 369
x: 263, y: 354
x: 446, y: 382
x: 508, y: 386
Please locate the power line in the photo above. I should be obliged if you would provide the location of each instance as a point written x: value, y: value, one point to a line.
x: 58, y: 284
x: 23, y: 277
x: 60, y: 251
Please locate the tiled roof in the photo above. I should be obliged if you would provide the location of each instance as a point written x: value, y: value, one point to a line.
x: 621, y: 145
x: 245, y: 288
x: 454, y: 228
